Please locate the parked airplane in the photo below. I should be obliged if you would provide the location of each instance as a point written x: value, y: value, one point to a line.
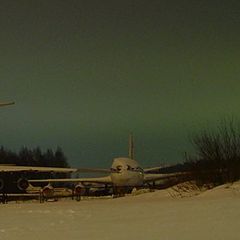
x: 124, y: 173
x: 22, y: 183
x: 18, y: 180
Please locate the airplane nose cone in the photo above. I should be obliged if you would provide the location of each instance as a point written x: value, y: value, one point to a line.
x: 127, y: 178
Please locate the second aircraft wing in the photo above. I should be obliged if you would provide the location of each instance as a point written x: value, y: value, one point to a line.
x: 154, y: 177
x: 103, y: 180
x: 9, y: 168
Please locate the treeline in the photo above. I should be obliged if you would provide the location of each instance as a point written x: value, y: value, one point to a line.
x: 217, y: 155
x: 31, y: 157
x: 34, y: 157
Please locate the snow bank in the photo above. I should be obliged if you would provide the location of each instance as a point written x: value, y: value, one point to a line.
x: 214, y: 214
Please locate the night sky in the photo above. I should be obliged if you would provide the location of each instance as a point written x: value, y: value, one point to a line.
x: 84, y: 74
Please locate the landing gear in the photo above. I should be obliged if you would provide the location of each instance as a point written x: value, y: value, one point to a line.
x: 41, y: 197
x: 46, y: 193
x: 4, y: 198
x: 152, y: 186
x: 119, y: 192
x: 80, y: 190
x: 78, y: 197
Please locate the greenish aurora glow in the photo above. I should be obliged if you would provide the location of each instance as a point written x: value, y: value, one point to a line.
x: 84, y: 74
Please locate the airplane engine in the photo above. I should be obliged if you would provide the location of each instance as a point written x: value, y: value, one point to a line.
x: 79, y: 189
x: 48, y: 191
x: 1, y: 184
x: 22, y: 184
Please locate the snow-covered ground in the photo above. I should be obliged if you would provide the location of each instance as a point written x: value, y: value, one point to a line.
x: 214, y: 214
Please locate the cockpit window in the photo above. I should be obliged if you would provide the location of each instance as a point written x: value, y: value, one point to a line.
x: 137, y: 169
x: 119, y: 168
x: 129, y: 167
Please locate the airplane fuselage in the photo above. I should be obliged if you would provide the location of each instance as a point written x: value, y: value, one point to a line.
x: 125, y: 172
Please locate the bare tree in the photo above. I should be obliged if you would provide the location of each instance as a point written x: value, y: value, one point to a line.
x: 217, y: 153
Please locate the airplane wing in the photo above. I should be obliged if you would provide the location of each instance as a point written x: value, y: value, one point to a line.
x: 2, y: 104
x: 95, y: 170
x: 154, y: 177
x: 103, y: 180
x: 146, y: 170
x: 12, y: 168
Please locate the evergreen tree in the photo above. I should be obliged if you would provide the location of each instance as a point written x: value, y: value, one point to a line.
x: 60, y: 159
x: 25, y: 157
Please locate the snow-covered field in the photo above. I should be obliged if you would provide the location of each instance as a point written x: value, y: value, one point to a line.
x: 214, y: 214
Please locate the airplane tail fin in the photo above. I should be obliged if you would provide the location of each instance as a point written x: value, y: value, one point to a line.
x: 131, y: 147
